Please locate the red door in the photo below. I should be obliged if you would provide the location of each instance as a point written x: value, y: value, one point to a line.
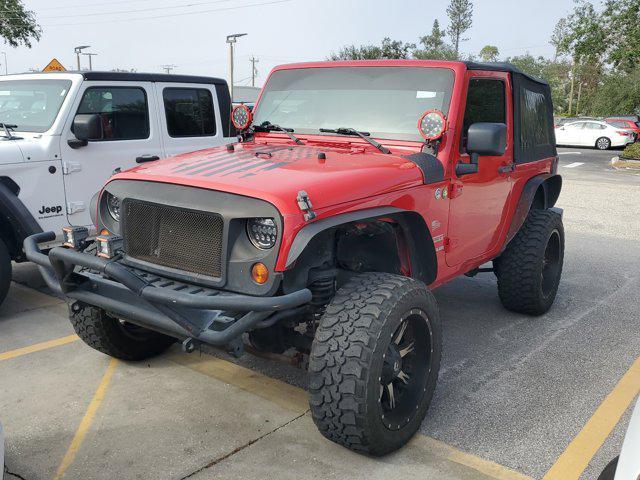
x: 479, y: 201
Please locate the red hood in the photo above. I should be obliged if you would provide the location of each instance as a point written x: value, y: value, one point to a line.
x: 277, y: 172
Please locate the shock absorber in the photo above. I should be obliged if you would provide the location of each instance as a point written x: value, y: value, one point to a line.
x: 323, y: 288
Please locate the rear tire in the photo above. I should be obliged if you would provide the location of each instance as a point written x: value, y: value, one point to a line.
x: 530, y: 268
x: 374, y: 363
x: 5, y: 271
x: 113, y: 337
x: 609, y: 471
x: 603, y: 143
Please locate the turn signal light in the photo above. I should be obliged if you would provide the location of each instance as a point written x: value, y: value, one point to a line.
x: 259, y: 273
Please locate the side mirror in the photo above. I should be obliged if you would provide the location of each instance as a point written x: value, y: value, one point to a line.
x: 86, y: 128
x: 483, y: 139
x: 487, y: 139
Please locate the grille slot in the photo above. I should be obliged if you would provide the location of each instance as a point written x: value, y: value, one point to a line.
x: 173, y: 237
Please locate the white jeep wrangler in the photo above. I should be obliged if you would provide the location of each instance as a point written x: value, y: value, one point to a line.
x: 63, y: 134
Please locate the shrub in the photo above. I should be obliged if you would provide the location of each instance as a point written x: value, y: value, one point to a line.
x: 632, y: 151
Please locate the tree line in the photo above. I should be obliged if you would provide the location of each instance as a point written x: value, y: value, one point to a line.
x: 595, y: 69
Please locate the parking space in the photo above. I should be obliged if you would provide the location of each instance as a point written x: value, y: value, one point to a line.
x: 518, y: 397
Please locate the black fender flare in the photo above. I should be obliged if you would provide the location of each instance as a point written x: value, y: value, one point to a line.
x: 17, y: 221
x: 549, y: 185
x: 424, y: 263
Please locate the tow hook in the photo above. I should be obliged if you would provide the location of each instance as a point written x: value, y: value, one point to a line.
x: 305, y: 205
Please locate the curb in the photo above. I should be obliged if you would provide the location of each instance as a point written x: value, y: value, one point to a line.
x: 623, y: 163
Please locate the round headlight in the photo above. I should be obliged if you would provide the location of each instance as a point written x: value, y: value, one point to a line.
x: 113, y: 205
x: 262, y: 232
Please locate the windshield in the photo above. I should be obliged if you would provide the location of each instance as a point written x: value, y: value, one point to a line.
x: 31, y: 105
x: 384, y: 101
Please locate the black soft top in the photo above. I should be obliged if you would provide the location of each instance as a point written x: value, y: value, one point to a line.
x: 151, y: 77
x: 502, y: 67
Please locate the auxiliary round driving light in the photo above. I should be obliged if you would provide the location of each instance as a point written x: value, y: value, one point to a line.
x: 432, y: 125
x: 241, y: 117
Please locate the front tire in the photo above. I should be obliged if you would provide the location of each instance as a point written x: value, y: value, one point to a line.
x: 114, y: 337
x: 5, y: 271
x: 530, y: 268
x: 374, y: 363
x: 603, y: 143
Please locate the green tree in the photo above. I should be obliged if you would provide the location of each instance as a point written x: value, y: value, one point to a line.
x: 17, y: 25
x: 390, y: 49
x: 489, y: 53
x: 618, y: 94
x: 434, y: 46
x: 460, y: 13
x: 621, y: 19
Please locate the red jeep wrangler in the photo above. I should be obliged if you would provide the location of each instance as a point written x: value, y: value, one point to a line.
x: 354, y: 190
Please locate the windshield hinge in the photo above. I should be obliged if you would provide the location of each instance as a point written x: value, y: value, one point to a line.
x: 70, y: 167
x: 75, y: 207
x: 305, y: 205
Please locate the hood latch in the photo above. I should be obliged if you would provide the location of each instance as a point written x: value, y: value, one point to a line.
x: 305, y: 205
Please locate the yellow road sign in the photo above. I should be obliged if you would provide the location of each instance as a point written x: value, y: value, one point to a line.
x: 54, y: 66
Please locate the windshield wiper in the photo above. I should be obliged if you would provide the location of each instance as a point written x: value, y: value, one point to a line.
x: 267, y: 126
x: 7, y: 129
x: 355, y: 133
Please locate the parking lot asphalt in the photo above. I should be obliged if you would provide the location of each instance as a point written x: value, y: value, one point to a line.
x: 517, y: 397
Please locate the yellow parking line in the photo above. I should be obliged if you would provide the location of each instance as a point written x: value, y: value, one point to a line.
x: 296, y: 399
x: 486, y: 467
x: 87, y: 420
x: 280, y: 393
x: 37, y: 347
x: 576, y: 457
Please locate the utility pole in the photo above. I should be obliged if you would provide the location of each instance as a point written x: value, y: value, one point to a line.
x: 573, y: 78
x: 6, y: 68
x: 231, y: 40
x: 254, y: 70
x: 78, y: 51
x: 167, y: 68
x: 90, y: 55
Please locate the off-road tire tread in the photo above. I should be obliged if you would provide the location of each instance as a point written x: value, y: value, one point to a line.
x: 517, y: 267
x: 100, y: 331
x: 5, y: 270
x: 341, y: 357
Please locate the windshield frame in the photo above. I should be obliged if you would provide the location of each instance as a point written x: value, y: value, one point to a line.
x: 455, y: 69
x: 65, y: 85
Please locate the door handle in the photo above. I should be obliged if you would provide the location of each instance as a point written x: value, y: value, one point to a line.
x: 147, y: 158
x: 510, y: 168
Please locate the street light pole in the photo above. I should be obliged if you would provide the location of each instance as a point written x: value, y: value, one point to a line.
x: 231, y: 40
x: 78, y: 51
x: 6, y: 68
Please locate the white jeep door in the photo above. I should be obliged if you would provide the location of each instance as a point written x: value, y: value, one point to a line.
x: 189, y: 117
x: 131, y: 135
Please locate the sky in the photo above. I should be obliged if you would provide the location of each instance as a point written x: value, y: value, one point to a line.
x: 146, y: 34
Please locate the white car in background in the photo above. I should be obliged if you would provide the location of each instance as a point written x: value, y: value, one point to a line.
x: 627, y: 465
x: 593, y: 133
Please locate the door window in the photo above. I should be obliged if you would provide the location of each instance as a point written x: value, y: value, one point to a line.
x: 486, y: 102
x: 189, y: 112
x: 594, y: 126
x: 124, y: 111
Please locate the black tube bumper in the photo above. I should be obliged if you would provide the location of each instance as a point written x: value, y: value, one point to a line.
x: 216, y: 318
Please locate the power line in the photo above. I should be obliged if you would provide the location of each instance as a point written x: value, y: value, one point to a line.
x: 139, y: 10
x: 167, y: 16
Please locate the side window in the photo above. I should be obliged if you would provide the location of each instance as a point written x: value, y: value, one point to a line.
x: 189, y: 112
x: 486, y: 102
x: 124, y: 111
x: 534, y: 119
x: 594, y: 126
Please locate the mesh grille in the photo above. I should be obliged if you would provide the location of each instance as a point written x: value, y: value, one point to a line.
x: 173, y: 237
